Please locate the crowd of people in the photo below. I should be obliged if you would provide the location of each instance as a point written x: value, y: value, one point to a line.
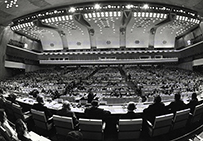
x: 105, y: 82
x: 94, y: 84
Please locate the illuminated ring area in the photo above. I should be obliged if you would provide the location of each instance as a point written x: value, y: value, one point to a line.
x: 97, y: 18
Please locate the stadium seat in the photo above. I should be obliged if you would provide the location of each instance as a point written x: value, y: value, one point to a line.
x: 129, y: 128
x: 9, y: 110
x: 197, y: 114
x: 180, y: 119
x: 92, y: 129
x: 40, y: 120
x: 5, y: 135
x: 63, y: 125
x: 19, y: 114
x: 161, y: 125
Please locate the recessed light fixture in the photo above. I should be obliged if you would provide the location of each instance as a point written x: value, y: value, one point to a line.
x: 11, y: 3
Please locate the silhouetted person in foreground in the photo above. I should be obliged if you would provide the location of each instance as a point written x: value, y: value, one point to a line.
x: 176, y: 105
x: 155, y: 109
x: 130, y: 113
x: 66, y: 111
x: 94, y: 112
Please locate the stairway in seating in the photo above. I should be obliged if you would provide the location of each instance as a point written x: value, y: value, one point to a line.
x: 125, y: 77
x: 95, y: 71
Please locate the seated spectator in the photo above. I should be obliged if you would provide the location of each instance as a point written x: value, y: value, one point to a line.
x: 12, y: 98
x: 176, y: 105
x: 5, y: 124
x: 22, y: 131
x: 40, y: 106
x: 94, y: 112
x: 66, y: 111
x: 155, y: 109
x: 193, y: 102
x: 90, y: 96
x: 55, y: 94
x: 2, y: 102
x: 74, y: 136
x: 34, y: 93
x: 1, y: 91
x: 130, y: 114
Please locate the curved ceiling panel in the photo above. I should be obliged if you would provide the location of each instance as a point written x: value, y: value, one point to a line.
x: 139, y: 27
x: 106, y: 26
x: 29, y: 6
x: 74, y: 34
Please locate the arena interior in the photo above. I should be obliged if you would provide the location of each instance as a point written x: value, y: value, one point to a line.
x: 119, y: 52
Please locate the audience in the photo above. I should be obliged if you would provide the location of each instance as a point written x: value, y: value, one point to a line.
x: 177, y: 104
x: 66, y: 111
x: 149, y: 82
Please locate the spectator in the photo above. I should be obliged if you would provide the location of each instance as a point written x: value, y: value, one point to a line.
x: 34, y: 93
x: 40, y: 106
x: 12, y: 98
x: 155, y: 109
x: 1, y: 91
x: 177, y: 104
x: 2, y: 102
x: 22, y: 131
x: 131, y: 114
x: 95, y: 112
x: 193, y: 102
x: 66, y: 111
x: 90, y: 96
x: 5, y: 124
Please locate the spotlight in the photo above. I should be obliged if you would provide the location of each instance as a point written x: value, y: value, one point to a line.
x: 129, y: 6
x: 145, y: 6
x: 72, y: 10
x: 97, y: 6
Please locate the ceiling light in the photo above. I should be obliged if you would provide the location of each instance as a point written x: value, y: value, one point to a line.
x: 89, y: 14
x: 129, y: 6
x: 143, y: 14
x: 98, y: 14
x: 72, y: 10
x: 11, y: 3
x: 145, y: 6
x: 106, y: 14
x: 85, y: 15
x: 94, y: 15
x: 59, y: 18
x: 97, y: 6
x: 115, y: 14
x: 63, y: 17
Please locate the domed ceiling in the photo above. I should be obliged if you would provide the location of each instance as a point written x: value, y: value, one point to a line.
x: 68, y: 24
x: 28, y: 6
